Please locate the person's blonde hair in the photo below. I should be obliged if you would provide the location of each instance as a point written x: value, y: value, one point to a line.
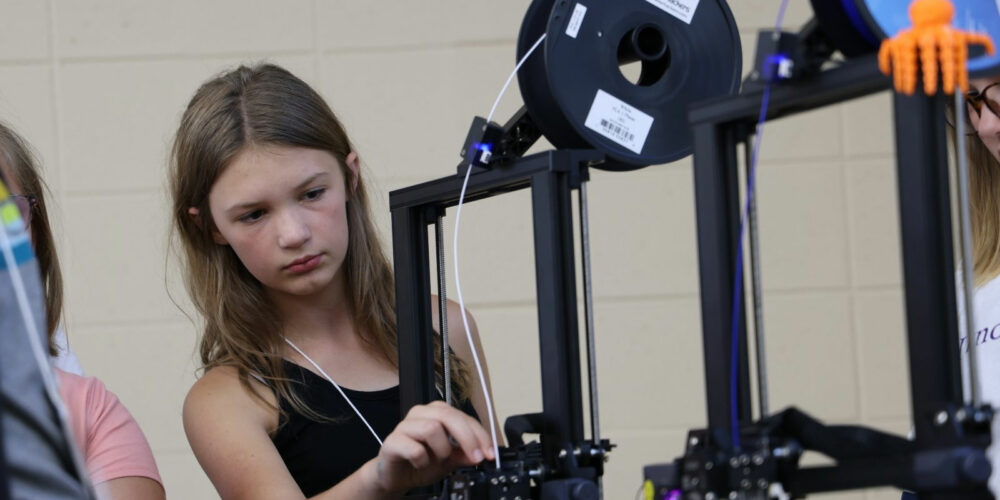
x: 19, y: 161
x: 984, y: 207
x: 256, y: 106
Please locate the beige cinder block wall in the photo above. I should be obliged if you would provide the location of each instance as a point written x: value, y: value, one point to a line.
x: 98, y: 87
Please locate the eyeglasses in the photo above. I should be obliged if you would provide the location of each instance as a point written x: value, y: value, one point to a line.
x: 975, y: 101
x: 26, y: 204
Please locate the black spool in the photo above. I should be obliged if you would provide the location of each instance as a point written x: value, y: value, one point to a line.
x: 575, y: 90
x: 847, y: 27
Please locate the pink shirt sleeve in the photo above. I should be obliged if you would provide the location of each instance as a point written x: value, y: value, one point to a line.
x: 110, y: 440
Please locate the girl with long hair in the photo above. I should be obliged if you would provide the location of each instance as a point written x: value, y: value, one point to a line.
x: 984, y: 174
x: 117, y: 456
x: 299, y: 395
x: 982, y: 115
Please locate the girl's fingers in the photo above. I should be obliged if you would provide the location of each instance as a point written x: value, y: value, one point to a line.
x: 465, y: 431
x: 431, y: 434
x: 430, y: 442
x: 404, y: 449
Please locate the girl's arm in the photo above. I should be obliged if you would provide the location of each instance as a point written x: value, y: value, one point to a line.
x: 130, y: 487
x: 117, y: 455
x: 228, y: 431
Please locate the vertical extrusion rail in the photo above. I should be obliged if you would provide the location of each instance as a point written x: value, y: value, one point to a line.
x: 716, y: 186
x: 413, y: 306
x: 555, y: 277
x: 928, y: 262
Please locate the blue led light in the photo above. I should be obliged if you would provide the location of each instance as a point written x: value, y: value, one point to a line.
x: 483, y: 147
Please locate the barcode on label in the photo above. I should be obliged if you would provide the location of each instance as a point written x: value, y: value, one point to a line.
x: 617, y: 131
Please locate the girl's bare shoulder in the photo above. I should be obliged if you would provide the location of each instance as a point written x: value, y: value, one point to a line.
x: 220, y: 392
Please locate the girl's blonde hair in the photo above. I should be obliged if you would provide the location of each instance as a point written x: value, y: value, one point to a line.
x: 984, y: 194
x: 255, y: 106
x: 17, y: 157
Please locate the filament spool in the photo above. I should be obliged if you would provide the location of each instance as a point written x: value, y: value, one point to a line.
x: 577, y: 94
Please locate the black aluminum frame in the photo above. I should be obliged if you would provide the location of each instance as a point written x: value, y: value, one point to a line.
x: 928, y: 263
x: 551, y: 176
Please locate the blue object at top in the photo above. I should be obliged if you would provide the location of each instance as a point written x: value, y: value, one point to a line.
x: 888, y: 17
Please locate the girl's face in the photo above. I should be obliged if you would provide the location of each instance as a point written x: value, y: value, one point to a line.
x: 282, y: 210
x: 986, y: 122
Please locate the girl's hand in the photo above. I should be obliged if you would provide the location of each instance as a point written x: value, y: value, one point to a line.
x: 430, y: 442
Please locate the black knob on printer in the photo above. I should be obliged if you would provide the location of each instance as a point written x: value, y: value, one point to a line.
x: 974, y: 467
x: 584, y: 490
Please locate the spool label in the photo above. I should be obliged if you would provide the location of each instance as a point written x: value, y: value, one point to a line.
x: 618, y: 121
x: 576, y: 20
x: 681, y: 9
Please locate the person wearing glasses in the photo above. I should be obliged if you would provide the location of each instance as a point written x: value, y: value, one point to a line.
x: 28, y: 204
x: 983, y: 115
x: 982, y: 121
x: 116, y: 453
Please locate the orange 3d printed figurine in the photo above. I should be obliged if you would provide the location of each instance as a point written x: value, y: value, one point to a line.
x: 939, y: 45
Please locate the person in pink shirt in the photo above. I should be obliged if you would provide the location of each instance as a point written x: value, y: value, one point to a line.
x: 116, y: 453
x: 118, y: 458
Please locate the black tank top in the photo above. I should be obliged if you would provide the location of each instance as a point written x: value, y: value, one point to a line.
x: 320, y: 455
